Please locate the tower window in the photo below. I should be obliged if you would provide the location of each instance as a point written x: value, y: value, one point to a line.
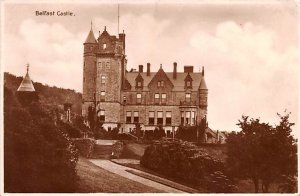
x: 168, y: 118
x: 151, y: 118
x: 163, y: 98
x: 128, y: 117
x: 188, y: 97
x: 107, y: 65
x: 139, y: 98
x: 104, y: 46
x: 135, y: 117
x: 103, y: 79
x: 102, y: 115
x: 102, y: 96
x: 156, y: 98
x: 159, y: 118
x: 124, y: 99
x: 99, y: 65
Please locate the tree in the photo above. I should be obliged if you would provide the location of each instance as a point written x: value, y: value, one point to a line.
x: 262, y: 152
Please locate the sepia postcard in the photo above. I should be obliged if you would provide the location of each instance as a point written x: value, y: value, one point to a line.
x: 190, y: 97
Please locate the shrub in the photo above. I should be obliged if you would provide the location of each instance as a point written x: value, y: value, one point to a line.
x: 117, y: 149
x: 182, y: 161
x: 85, y: 146
x: 38, y: 156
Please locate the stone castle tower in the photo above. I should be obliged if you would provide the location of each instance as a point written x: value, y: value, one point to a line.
x: 104, y: 72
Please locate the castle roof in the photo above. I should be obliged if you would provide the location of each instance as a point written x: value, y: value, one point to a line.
x: 26, y: 84
x: 203, y: 84
x: 178, y: 83
x: 90, y: 38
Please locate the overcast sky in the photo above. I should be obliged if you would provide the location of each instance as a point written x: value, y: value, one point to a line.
x: 249, y: 50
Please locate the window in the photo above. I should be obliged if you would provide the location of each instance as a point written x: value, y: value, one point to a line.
x: 188, y: 97
x: 128, y: 117
x: 124, y: 99
x: 156, y: 98
x: 182, y: 118
x: 188, y: 84
x: 151, y: 118
x: 139, y: 84
x: 187, y: 118
x: 139, y: 98
x: 135, y: 117
x: 102, y: 96
x: 168, y: 118
x: 103, y: 79
x: 159, y: 118
x: 163, y: 98
x: 102, y: 115
x: 104, y: 46
x: 99, y: 65
x: 107, y: 65
x: 193, y: 118
x: 160, y: 83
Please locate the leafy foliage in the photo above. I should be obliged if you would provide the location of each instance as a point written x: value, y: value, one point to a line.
x: 262, y: 152
x: 38, y: 156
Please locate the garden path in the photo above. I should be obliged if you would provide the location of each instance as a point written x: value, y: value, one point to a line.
x: 121, y: 170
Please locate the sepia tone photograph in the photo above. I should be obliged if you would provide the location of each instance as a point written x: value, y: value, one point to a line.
x: 195, y: 97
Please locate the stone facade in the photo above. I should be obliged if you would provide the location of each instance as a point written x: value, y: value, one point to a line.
x: 169, y: 99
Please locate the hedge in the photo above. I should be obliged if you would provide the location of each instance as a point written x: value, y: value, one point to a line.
x: 183, y: 161
x: 85, y: 146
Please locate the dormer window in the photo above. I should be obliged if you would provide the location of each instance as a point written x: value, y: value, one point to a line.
x: 188, y: 81
x: 188, y: 84
x: 104, y: 46
x: 139, y: 82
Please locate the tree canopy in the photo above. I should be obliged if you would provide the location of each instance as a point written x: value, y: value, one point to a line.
x: 262, y: 152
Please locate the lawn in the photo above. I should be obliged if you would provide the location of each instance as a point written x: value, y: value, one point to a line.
x: 93, y: 179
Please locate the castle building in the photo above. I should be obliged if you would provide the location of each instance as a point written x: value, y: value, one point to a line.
x: 118, y: 96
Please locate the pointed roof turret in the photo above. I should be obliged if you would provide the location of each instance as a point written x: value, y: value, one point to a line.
x: 203, y: 84
x: 26, y: 84
x: 91, y: 38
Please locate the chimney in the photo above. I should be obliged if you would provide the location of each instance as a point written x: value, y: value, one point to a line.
x: 141, y: 68
x: 175, y: 70
x: 188, y: 68
x: 148, y: 69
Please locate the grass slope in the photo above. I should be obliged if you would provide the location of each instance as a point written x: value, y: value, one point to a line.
x: 94, y: 179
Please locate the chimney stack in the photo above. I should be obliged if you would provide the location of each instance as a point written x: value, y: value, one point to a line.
x: 148, y: 69
x: 188, y: 68
x: 175, y: 70
x: 141, y: 68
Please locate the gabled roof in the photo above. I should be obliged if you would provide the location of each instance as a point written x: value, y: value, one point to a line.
x: 90, y: 38
x: 178, y: 83
x: 26, y: 84
x: 139, y: 77
x: 160, y: 75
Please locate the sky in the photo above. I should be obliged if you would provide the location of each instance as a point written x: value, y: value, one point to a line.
x: 249, y: 50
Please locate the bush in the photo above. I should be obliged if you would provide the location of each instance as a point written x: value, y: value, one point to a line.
x: 85, y: 146
x: 182, y: 161
x: 117, y: 149
x: 38, y: 157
